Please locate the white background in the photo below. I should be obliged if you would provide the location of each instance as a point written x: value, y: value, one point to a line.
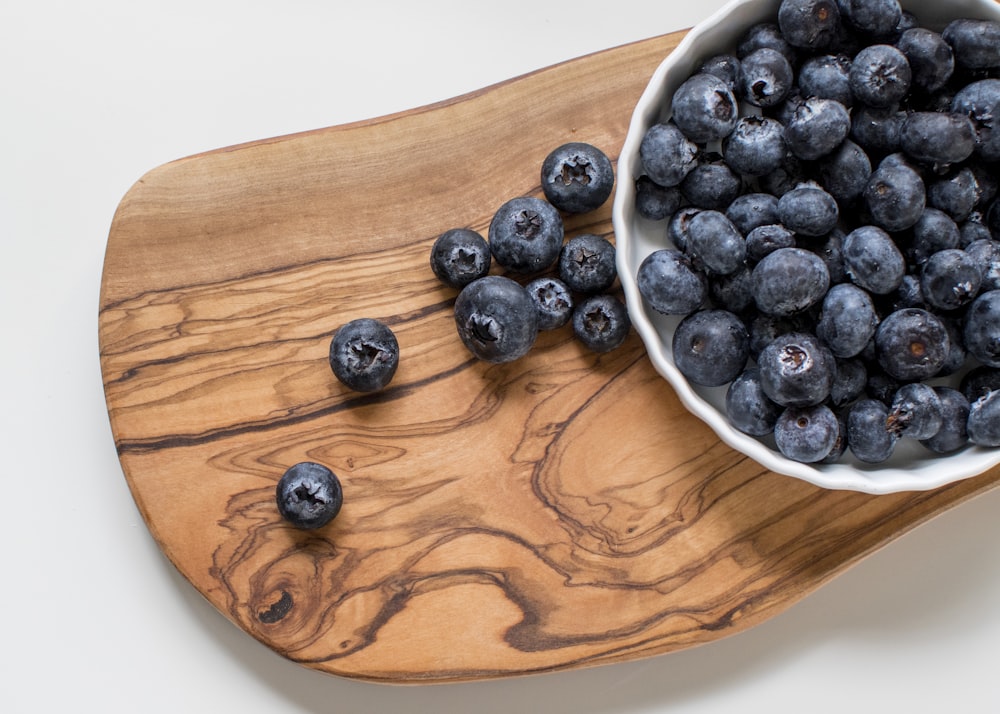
x: 93, y: 95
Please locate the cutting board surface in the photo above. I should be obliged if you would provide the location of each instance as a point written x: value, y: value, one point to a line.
x: 560, y: 511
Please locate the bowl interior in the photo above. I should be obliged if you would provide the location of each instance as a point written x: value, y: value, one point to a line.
x: 912, y: 467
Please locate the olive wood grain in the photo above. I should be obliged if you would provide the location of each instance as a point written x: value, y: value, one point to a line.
x: 557, y: 512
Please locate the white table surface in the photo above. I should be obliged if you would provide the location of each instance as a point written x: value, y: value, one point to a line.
x: 95, y: 94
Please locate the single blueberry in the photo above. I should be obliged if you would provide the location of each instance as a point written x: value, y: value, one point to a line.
x: 496, y: 319
x: 714, y: 242
x: 980, y: 101
x: 867, y: 436
x: 847, y: 320
x: 931, y: 59
x: 849, y: 382
x: 986, y: 253
x: 979, y: 381
x: 712, y: 184
x: 750, y: 210
x: 710, y: 347
x: 810, y: 24
x: 724, y: 66
x: 911, y: 344
x: 982, y: 328
x: 915, y: 412
x: 950, y: 279
x: 808, y: 210
x: 845, y: 171
x: 956, y: 193
x: 526, y: 234
x: 553, y: 302
x: 792, y: 172
x: 577, y: 177
x: 601, y: 322
x: 666, y: 154
x: 765, y: 78
x: 309, y: 495
x: 976, y: 43
x: 789, y: 280
x: 937, y: 139
x: 587, y: 263
x: 827, y: 76
x: 983, y: 424
x: 972, y: 230
x: 748, y: 409
x: 880, y: 76
x: 654, y: 201
x: 876, y: 129
x: 670, y: 284
x: 756, y: 146
x: 704, y: 108
x: 364, y: 354
x: 934, y: 231
x: 459, y: 256
x: 677, y: 226
x: 830, y: 249
x: 732, y: 291
x: 765, y: 34
x: 953, y: 433
x: 766, y: 239
x: 895, y: 196
x: 806, y: 434
x: 871, y: 17
x: 817, y: 127
x: 796, y: 370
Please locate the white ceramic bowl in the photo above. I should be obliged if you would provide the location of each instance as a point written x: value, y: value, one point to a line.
x: 912, y: 467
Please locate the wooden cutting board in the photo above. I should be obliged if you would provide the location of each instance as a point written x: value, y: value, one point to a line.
x: 557, y: 512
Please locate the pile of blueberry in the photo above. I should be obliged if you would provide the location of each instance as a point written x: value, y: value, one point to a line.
x: 546, y: 282
x: 829, y: 193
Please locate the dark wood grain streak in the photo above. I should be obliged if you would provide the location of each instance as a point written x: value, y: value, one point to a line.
x: 558, y: 512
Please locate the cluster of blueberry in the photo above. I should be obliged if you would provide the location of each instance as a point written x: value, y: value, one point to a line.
x: 830, y: 192
x: 498, y: 318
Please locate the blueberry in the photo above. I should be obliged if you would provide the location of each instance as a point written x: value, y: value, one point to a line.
x: 587, y: 263
x: 712, y: 184
x: 732, y: 292
x: 830, y: 249
x: 845, y: 171
x: 750, y: 210
x: 704, y: 108
x: 976, y: 43
x: 724, y: 66
x: 880, y: 76
x: 459, y: 256
x: 849, y: 382
x: 765, y: 78
x: 931, y: 59
x: 827, y: 76
x: 783, y: 179
x: 666, y: 154
x: 876, y: 129
x: 309, y: 495
x: 934, y: 231
x: 953, y: 434
x: 364, y: 355
x: 711, y: 347
x: 980, y: 101
x: 950, y: 279
x: 553, y: 302
x: 937, y: 138
x: 788, y: 281
x: 764, y: 329
x: 847, y: 321
x: 677, y: 226
x: 748, y: 409
x: 873, y: 260
x: 895, y: 196
x: 956, y: 193
x: 867, y: 436
x: 840, y: 444
x: 526, y: 234
x: 756, y: 146
x: 817, y: 127
x: 601, y: 322
x: 982, y: 328
x: 796, y: 370
x: 808, y: 210
x: 765, y: 34
x: 983, y: 424
x: 806, y: 434
x: 714, y: 242
x: 911, y: 344
x: 972, y: 230
x: 654, y: 201
x: 496, y: 319
x: 670, y: 284
x: 957, y: 354
x: 979, y: 381
x: 986, y: 253
x: 809, y: 24
x: 577, y: 177
x: 881, y: 385
x: 871, y: 17
x: 766, y: 239
x: 915, y: 412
